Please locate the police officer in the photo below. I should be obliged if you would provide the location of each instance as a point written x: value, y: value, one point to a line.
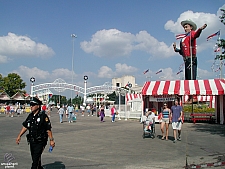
x: 39, y: 127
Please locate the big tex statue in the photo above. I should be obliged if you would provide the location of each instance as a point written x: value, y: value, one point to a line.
x: 188, y: 50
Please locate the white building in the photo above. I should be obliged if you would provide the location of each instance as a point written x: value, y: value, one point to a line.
x: 123, y: 81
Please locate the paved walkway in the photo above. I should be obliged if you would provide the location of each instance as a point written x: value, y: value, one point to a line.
x: 89, y: 144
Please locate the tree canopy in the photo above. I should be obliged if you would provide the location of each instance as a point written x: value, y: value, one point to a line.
x: 221, y: 42
x: 12, y: 84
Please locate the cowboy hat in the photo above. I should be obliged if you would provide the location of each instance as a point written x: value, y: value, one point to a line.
x: 189, y: 22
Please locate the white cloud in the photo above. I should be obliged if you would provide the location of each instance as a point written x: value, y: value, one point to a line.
x: 204, y: 74
x: 167, y: 74
x: 27, y: 72
x: 148, y: 43
x: 120, y: 70
x: 45, y: 76
x: 105, y: 72
x: 4, y: 59
x: 199, y: 18
x: 65, y: 74
x: 109, y: 43
x: 123, y: 68
x: 114, y: 43
x: 16, y: 45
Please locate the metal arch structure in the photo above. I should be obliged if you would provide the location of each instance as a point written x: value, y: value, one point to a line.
x: 60, y: 85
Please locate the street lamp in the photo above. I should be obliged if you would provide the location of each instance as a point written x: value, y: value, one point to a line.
x: 32, y: 80
x: 85, y: 88
x: 73, y: 38
x: 126, y: 113
x: 119, y: 92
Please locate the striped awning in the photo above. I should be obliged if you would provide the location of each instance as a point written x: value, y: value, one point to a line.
x: 185, y: 87
x: 200, y: 98
x: 130, y: 97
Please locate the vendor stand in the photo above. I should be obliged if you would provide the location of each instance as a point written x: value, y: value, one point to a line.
x: 179, y: 88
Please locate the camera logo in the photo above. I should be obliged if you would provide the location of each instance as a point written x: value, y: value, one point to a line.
x: 8, y: 161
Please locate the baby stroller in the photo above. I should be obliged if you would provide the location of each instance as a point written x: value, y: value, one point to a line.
x: 148, y: 127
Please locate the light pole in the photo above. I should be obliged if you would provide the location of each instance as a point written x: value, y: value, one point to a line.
x: 119, y: 91
x: 32, y: 80
x: 85, y: 88
x: 96, y: 100
x: 127, y: 114
x: 73, y: 38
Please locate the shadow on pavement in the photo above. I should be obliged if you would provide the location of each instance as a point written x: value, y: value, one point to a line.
x: 55, y: 165
x: 216, y: 129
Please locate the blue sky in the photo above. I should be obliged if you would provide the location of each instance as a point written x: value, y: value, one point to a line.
x: 114, y: 38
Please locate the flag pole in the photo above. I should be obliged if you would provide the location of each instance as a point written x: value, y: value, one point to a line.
x: 192, y: 108
x: 221, y: 72
x: 191, y: 57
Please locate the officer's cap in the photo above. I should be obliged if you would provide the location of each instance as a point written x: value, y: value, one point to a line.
x: 35, y: 100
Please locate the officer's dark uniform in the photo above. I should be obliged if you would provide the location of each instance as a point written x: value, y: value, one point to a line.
x: 37, y: 138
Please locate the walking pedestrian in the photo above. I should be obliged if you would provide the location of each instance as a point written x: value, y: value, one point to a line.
x: 176, y: 118
x: 70, y: 110
x: 82, y: 107
x: 44, y: 108
x: 39, y: 127
x: 76, y: 109
x: 113, y: 113
x: 88, y: 109
x: 7, y: 110
x: 61, y: 112
x: 165, y: 120
x: 93, y: 110
x: 12, y: 110
x: 102, y: 113
x: 49, y: 109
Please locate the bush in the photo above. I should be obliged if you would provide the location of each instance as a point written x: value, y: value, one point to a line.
x: 198, y: 108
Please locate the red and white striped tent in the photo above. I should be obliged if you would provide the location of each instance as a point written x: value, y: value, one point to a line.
x: 209, y: 87
x: 210, y: 99
x: 201, y: 98
x: 185, y: 87
x: 133, y: 96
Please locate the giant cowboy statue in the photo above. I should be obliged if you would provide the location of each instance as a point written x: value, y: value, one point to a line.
x: 188, y: 51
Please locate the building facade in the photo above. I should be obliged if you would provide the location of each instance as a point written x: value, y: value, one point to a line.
x: 123, y: 81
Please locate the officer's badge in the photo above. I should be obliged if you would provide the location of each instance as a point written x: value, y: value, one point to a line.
x: 46, y: 119
x: 38, y: 119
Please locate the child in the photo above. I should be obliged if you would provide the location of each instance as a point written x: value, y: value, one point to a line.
x: 150, y: 118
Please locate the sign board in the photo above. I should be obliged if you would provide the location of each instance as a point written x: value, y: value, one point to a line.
x: 162, y: 98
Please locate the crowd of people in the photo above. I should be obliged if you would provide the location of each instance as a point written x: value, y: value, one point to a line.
x: 71, y: 111
x: 68, y: 111
x: 10, y: 110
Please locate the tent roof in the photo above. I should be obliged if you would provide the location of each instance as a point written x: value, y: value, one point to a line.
x: 4, y: 96
x: 18, y: 96
x: 185, y: 87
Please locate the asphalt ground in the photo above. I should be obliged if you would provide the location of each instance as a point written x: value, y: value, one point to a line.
x: 89, y: 144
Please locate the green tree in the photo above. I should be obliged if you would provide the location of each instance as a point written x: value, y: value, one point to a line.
x: 77, y: 100
x: 222, y: 17
x: 12, y: 84
x: 221, y: 42
x: 112, y: 96
x: 1, y: 84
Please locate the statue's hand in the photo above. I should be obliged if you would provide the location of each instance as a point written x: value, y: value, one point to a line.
x: 203, y: 27
x: 174, y: 45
